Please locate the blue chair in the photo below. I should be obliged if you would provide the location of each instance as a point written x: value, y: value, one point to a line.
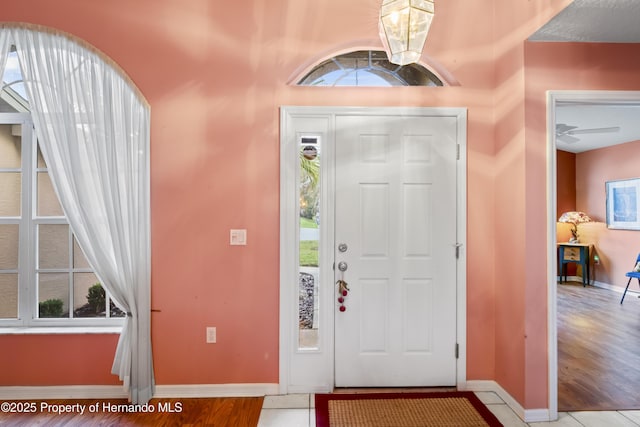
x: 635, y: 273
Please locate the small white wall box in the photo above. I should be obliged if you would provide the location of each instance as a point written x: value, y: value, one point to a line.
x: 211, y: 334
x: 238, y: 237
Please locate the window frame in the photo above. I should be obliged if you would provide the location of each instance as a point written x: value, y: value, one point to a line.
x: 28, y: 222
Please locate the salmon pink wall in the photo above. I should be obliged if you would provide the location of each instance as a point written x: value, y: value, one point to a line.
x: 38, y: 360
x: 566, y: 182
x: 565, y: 197
x: 617, y: 249
x: 520, y: 299
x: 215, y: 75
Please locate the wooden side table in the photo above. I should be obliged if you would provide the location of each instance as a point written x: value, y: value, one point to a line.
x: 578, y: 253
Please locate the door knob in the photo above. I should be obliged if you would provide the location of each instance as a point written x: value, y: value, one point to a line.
x: 342, y: 266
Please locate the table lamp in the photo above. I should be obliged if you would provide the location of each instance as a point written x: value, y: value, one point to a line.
x: 574, y: 218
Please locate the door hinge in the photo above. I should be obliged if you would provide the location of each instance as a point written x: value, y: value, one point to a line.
x: 457, y: 151
x: 457, y: 350
x: 458, y: 246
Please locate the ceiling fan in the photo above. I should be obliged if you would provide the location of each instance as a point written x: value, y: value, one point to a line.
x: 565, y: 133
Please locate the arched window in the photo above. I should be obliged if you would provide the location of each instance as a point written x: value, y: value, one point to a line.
x: 368, y: 68
x: 83, y: 136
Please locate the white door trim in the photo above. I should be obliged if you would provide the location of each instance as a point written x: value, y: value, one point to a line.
x: 320, y: 362
x: 553, y: 99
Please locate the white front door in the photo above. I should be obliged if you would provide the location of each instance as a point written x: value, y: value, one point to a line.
x: 395, y: 231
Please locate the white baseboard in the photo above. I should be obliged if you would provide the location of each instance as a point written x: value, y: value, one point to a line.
x: 537, y: 416
x: 527, y: 415
x: 215, y: 390
x: 616, y: 288
x: 118, y: 392
x: 63, y: 392
x: 633, y: 290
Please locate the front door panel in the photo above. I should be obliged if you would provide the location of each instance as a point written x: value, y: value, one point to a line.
x: 396, y: 215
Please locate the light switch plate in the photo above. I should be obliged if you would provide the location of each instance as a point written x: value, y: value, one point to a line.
x: 211, y: 334
x: 238, y: 237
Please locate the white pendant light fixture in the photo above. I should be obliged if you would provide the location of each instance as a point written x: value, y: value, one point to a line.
x: 404, y: 25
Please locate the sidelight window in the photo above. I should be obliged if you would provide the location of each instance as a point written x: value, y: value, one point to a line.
x: 309, y: 232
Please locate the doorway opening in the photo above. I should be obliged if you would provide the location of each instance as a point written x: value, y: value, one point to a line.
x: 557, y: 100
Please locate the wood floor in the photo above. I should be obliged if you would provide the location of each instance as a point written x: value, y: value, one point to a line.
x: 222, y: 412
x: 598, y: 349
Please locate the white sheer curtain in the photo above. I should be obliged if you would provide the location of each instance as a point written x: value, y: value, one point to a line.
x: 94, y: 135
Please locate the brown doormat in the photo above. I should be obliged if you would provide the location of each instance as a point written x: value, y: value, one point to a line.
x: 441, y: 409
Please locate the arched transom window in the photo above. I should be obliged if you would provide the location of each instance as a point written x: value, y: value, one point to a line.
x: 367, y: 68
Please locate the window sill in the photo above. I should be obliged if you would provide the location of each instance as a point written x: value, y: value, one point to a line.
x: 58, y: 330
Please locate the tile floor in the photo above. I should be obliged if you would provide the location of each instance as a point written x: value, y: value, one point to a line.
x: 298, y: 411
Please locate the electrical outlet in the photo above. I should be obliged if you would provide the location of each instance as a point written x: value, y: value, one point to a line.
x: 211, y: 335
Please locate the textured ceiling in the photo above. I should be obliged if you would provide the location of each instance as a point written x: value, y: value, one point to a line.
x: 596, y: 21
x: 608, y: 21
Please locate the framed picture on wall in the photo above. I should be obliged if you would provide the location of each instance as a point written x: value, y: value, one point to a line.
x: 623, y: 204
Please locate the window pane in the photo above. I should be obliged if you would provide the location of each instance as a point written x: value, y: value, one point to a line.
x: 417, y: 75
x: 89, y: 299
x: 352, y: 62
x: 323, y: 75
x: 10, y: 148
x: 53, y: 295
x: 9, y: 243
x: 115, y: 310
x: 12, y: 76
x: 41, y: 163
x: 79, y: 261
x: 48, y: 204
x: 53, y: 246
x: 10, y: 183
x: 308, y: 297
x: 8, y: 296
x: 379, y: 59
